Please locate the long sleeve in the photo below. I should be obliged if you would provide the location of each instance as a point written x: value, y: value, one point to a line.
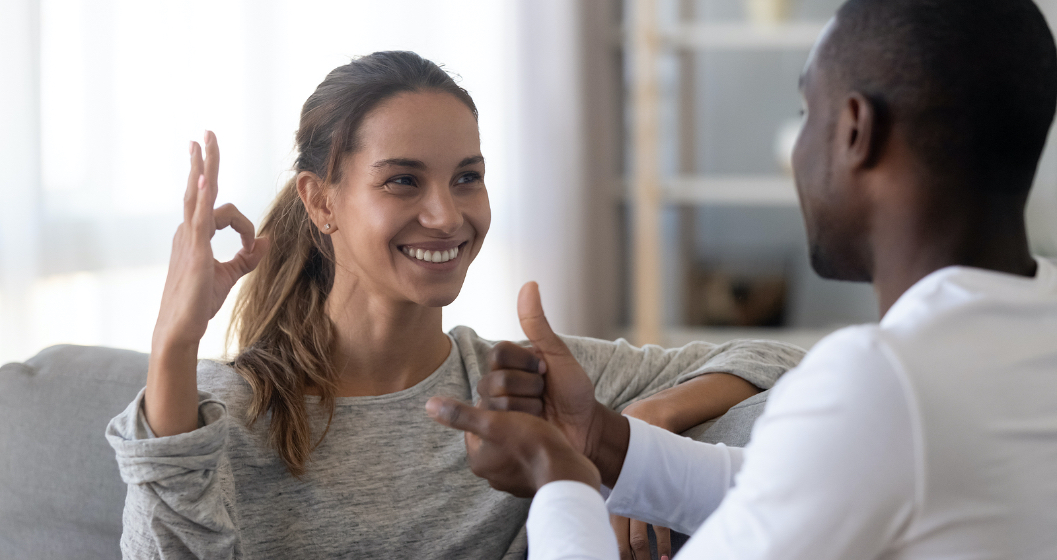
x: 671, y: 480
x: 832, y: 468
x: 667, y: 479
x: 179, y: 502
x: 830, y: 473
x: 568, y: 521
x: 623, y: 373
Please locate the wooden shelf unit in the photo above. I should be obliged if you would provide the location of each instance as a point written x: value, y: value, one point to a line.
x: 649, y: 191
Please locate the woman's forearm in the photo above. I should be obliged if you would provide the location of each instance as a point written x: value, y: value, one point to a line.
x: 170, y: 402
x: 688, y: 404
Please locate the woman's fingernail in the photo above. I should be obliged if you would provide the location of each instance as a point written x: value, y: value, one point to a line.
x: 664, y: 558
x: 191, y: 147
x: 542, y: 368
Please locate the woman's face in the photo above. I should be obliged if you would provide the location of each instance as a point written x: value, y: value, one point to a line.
x: 411, y: 208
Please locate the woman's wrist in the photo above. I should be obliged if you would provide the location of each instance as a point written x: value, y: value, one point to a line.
x: 167, y: 341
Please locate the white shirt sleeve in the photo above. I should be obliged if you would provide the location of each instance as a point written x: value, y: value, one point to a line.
x: 568, y: 521
x: 670, y: 480
x: 830, y: 473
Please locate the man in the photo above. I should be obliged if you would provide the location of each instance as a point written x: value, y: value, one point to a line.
x: 930, y: 435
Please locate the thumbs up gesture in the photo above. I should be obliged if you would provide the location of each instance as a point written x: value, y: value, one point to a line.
x: 545, y: 380
x: 505, y: 433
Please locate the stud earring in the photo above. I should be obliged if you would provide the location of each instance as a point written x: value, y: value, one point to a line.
x: 326, y: 226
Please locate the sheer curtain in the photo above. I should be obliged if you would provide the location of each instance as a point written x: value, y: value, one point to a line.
x: 101, y: 98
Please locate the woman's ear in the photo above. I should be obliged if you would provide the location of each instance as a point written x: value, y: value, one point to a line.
x: 314, y: 195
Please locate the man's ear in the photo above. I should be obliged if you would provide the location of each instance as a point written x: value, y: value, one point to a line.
x: 859, y: 131
x: 314, y: 195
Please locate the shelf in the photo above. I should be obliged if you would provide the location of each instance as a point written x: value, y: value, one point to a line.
x: 744, y: 36
x: 804, y: 338
x: 746, y: 190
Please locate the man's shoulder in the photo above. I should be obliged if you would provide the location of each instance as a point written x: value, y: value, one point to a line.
x: 852, y: 343
x: 847, y: 363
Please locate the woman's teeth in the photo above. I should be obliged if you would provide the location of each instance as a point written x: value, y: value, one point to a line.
x: 432, y: 256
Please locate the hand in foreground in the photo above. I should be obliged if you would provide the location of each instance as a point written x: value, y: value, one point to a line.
x: 546, y: 381
x: 515, y: 452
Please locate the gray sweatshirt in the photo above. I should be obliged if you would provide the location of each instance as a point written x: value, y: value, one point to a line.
x: 386, y: 481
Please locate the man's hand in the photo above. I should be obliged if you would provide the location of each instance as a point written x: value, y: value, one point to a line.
x: 569, y: 395
x: 547, y: 381
x: 515, y: 452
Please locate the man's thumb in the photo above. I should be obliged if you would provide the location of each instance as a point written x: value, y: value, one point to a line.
x: 534, y: 322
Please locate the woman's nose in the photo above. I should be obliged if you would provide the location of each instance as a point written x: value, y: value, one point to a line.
x: 440, y: 212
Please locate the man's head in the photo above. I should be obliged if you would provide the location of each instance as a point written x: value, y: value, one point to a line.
x: 961, y: 93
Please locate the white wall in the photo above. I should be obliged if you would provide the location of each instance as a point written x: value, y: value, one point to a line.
x: 95, y: 135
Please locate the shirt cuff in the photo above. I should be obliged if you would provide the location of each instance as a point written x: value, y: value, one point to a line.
x: 143, y: 458
x: 568, y: 520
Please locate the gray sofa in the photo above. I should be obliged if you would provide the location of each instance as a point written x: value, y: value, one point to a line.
x: 60, y: 493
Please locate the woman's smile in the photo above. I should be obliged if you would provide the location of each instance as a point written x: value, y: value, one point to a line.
x: 434, y: 255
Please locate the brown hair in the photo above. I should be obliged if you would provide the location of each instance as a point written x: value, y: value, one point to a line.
x: 284, y: 334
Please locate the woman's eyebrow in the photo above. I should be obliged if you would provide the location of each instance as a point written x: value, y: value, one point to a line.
x: 399, y: 162
x: 419, y: 164
x: 470, y: 161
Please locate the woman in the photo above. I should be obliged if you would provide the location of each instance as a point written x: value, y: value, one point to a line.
x: 314, y: 442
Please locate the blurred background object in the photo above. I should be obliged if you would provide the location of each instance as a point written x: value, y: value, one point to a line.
x: 709, y: 201
x: 768, y: 12
x: 637, y: 156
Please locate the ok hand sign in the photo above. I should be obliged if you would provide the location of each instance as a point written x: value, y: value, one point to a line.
x: 197, y: 284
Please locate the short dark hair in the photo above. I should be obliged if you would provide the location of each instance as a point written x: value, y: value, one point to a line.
x: 973, y: 81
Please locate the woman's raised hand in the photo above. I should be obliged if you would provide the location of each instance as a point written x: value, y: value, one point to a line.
x: 197, y: 284
x: 195, y: 289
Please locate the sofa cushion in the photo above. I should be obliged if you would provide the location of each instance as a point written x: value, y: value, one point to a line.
x: 60, y: 492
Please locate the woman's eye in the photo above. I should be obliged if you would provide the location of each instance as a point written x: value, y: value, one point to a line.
x: 402, y: 181
x: 468, y: 178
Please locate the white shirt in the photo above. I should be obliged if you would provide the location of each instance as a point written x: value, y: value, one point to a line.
x: 930, y: 435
